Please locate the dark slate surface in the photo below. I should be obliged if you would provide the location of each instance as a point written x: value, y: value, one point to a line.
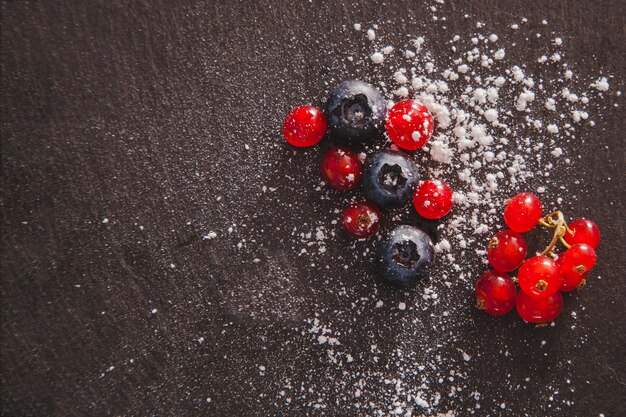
x: 137, y: 112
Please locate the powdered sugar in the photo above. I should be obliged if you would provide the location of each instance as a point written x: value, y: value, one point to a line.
x: 376, y: 351
x: 485, y: 107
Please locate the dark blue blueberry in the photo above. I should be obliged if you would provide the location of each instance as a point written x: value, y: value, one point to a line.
x: 356, y: 111
x: 405, y: 255
x: 389, y: 178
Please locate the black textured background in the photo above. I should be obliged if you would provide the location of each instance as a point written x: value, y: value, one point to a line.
x: 138, y: 112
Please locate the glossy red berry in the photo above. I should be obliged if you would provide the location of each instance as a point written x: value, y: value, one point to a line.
x: 361, y: 219
x: 539, y: 310
x: 539, y: 277
x: 495, y: 293
x: 305, y: 126
x: 523, y: 212
x: 433, y: 199
x: 585, y: 231
x: 341, y: 168
x: 409, y: 124
x: 506, y: 250
x: 574, y: 265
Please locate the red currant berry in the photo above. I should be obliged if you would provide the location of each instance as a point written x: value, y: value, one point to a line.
x: 341, y: 168
x: 574, y: 265
x: 305, y: 126
x: 495, y: 293
x: 361, y: 219
x: 433, y: 199
x: 506, y: 250
x: 585, y: 231
x: 539, y: 277
x: 539, y: 310
x: 523, y: 212
x: 409, y: 124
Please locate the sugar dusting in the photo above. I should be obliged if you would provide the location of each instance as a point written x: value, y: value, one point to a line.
x: 501, y: 127
x: 490, y: 141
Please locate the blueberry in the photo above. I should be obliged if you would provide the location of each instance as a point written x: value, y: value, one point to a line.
x: 389, y: 178
x: 405, y: 255
x: 356, y: 111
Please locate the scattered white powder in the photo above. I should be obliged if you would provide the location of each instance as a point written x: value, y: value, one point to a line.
x: 602, y: 84
x: 400, y: 77
x: 440, y: 152
x: 557, y: 152
x: 492, y: 113
x: 377, y: 58
x: 401, y: 92
x: 524, y: 99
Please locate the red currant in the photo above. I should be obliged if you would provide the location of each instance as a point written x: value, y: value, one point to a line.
x: 523, y: 212
x: 539, y: 277
x: 539, y: 310
x: 361, y: 219
x: 305, y: 126
x: 409, y: 124
x: 574, y: 265
x: 495, y: 293
x: 585, y: 231
x: 506, y: 250
x: 341, y: 168
x: 433, y: 199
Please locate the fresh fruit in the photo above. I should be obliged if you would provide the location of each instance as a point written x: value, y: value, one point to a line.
x: 356, y: 111
x: 305, y: 126
x: 506, y: 250
x: 409, y: 125
x: 389, y: 178
x: 539, y: 277
x: 341, y: 168
x: 523, y: 212
x: 495, y: 293
x: 361, y: 219
x: 539, y: 310
x: 405, y: 255
x: 575, y: 263
x: 433, y: 199
x: 585, y: 231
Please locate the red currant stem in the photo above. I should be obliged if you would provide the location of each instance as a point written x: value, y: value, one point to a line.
x: 564, y: 243
x: 555, y: 221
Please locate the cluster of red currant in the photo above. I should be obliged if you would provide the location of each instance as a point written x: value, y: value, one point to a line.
x: 541, y: 278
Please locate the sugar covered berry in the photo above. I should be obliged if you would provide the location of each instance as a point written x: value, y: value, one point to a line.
x: 304, y: 126
x: 409, y: 124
